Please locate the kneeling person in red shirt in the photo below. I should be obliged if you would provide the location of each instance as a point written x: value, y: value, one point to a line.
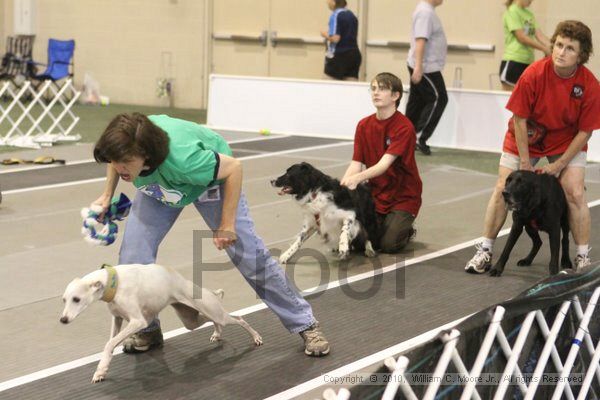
x: 384, y: 154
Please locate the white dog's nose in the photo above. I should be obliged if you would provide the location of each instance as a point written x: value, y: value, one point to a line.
x: 64, y: 320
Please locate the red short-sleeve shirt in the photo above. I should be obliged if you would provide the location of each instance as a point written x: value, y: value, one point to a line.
x: 563, y: 106
x: 400, y: 187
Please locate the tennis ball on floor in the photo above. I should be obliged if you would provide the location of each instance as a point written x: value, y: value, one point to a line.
x: 264, y: 132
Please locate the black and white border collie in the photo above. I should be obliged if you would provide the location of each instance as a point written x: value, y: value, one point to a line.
x: 344, y: 218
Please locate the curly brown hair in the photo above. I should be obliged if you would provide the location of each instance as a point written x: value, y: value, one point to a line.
x: 131, y: 135
x: 576, y: 30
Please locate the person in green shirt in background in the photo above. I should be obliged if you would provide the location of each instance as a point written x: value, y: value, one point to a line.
x: 174, y: 163
x: 522, y: 36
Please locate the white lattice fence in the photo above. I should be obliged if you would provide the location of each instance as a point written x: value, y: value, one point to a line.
x: 34, y: 117
x: 399, y: 381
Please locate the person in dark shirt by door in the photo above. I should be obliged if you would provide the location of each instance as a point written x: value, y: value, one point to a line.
x: 343, y: 57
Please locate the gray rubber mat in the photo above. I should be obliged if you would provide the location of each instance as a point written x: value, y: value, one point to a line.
x: 359, y: 320
x: 70, y: 173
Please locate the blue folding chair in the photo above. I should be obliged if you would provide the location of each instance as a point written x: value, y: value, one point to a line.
x: 60, y: 61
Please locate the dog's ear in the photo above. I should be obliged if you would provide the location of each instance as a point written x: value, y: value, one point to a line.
x: 97, y: 285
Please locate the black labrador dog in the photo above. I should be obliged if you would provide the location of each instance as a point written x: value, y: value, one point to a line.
x: 538, y: 203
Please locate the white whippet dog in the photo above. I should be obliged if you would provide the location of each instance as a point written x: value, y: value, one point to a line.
x: 137, y: 293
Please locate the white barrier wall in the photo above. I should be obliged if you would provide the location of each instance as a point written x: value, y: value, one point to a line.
x: 473, y: 120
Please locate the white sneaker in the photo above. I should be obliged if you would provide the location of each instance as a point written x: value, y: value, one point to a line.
x: 481, y: 261
x: 581, y: 261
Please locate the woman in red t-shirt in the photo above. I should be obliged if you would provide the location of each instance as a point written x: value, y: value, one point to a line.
x: 557, y: 102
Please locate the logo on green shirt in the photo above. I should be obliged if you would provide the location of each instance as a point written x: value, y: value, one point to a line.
x: 165, y: 196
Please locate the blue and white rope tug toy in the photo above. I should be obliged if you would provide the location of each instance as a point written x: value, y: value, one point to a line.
x: 104, y: 232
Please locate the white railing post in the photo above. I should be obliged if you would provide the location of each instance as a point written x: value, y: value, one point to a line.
x: 397, y: 380
x: 587, y: 381
x: 513, y: 357
x: 586, y: 338
x: 548, y: 349
x: 450, y: 340
x: 483, y: 352
x: 583, y: 327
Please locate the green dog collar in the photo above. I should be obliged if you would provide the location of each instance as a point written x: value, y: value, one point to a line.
x: 111, y: 283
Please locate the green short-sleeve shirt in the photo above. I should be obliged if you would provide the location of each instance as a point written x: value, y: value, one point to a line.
x: 515, y: 18
x: 191, y: 165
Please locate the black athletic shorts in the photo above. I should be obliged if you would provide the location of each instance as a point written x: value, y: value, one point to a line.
x: 343, y: 65
x: 511, y: 71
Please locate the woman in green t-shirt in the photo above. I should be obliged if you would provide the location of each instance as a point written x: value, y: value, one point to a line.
x: 522, y: 36
x: 175, y: 163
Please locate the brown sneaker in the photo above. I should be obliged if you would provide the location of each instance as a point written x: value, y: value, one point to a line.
x: 143, y: 341
x: 315, y: 343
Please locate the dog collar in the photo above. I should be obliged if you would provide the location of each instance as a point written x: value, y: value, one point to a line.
x: 111, y: 283
x: 533, y: 223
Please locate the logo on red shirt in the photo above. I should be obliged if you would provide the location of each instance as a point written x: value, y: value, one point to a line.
x: 577, y: 91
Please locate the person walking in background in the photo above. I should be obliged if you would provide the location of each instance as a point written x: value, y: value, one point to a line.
x: 521, y: 36
x: 426, y: 60
x: 343, y: 56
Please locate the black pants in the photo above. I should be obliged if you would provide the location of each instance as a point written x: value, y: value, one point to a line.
x: 426, y: 103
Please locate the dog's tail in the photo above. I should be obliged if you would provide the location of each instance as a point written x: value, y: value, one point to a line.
x: 219, y: 293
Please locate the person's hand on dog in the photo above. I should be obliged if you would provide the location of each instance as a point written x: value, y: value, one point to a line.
x: 526, y: 166
x: 554, y: 168
x: 224, y: 237
x: 351, y: 182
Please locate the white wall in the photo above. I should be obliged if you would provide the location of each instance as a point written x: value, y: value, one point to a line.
x: 473, y: 120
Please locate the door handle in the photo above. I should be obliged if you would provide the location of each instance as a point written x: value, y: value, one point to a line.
x: 276, y: 39
x: 262, y: 38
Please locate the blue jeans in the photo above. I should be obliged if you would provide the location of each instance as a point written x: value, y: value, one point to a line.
x: 149, y: 221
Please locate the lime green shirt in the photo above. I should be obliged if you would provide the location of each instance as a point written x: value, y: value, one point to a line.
x: 515, y: 18
x: 191, y: 165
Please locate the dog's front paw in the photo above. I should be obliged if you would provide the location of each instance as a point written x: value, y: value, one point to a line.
x: 344, y: 254
x: 369, y: 250
x: 215, y: 337
x: 258, y: 340
x: 98, y: 377
x: 524, y: 262
x: 495, y: 272
x: 370, y: 253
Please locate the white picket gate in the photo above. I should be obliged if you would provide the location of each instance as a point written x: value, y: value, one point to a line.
x: 399, y: 381
x: 33, y: 117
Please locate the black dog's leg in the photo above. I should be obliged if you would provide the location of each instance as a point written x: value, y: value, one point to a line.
x: 554, y: 250
x: 537, y: 243
x: 513, y: 236
x: 565, y: 260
